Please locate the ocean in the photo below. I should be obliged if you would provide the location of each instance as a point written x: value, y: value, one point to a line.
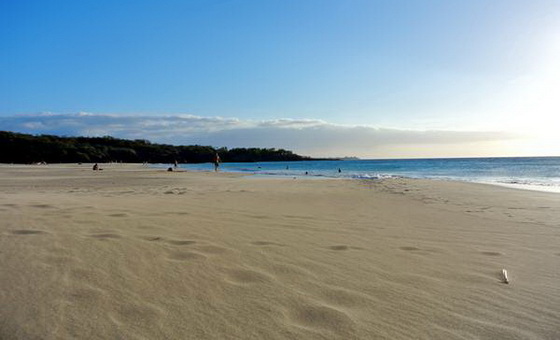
x: 536, y: 173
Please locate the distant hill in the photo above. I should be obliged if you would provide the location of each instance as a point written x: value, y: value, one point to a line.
x: 24, y: 148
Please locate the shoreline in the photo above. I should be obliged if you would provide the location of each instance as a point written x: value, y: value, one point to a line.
x: 529, y: 187
x: 518, y: 186
x: 521, y: 184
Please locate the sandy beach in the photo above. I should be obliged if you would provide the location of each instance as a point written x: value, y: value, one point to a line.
x: 137, y: 253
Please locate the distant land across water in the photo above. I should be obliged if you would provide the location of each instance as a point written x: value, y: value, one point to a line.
x: 27, y: 149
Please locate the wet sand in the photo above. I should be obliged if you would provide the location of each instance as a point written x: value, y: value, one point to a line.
x: 137, y: 253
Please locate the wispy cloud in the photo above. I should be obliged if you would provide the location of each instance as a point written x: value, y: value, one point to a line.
x: 305, y: 136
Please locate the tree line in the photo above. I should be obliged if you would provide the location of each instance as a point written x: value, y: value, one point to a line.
x: 25, y: 149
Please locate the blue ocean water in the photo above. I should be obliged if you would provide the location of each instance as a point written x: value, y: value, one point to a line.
x: 541, y: 173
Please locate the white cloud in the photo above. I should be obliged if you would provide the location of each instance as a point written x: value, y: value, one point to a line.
x: 304, y: 136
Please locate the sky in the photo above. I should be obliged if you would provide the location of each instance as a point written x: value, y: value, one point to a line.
x: 366, y: 78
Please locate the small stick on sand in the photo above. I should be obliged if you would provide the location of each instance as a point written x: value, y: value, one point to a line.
x: 505, y: 276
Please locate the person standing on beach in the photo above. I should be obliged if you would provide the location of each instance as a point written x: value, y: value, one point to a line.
x: 216, y: 162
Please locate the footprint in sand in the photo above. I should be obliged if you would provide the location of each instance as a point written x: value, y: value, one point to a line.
x: 420, y: 251
x: 106, y: 236
x: 181, y: 242
x: 136, y: 313
x: 151, y: 238
x: 185, y: 256
x: 340, y: 247
x: 11, y: 205
x: 119, y: 215
x: 176, y: 191
x: 408, y: 248
x: 27, y: 232
x: 491, y: 253
x: 260, y: 217
x: 321, y: 317
x: 267, y: 243
x: 42, y: 206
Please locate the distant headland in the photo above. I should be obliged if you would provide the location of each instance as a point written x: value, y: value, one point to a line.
x: 26, y: 149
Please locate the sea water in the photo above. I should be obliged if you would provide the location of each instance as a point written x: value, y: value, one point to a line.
x: 540, y: 173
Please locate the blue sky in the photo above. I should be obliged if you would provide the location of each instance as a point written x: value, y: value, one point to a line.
x: 484, y: 71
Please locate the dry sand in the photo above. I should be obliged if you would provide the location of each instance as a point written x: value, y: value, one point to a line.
x: 137, y: 253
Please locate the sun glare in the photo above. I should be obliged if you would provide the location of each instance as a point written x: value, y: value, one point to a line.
x: 535, y: 104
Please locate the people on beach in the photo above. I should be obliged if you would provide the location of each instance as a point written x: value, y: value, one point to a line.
x: 95, y: 167
x: 176, y: 164
x: 216, y: 162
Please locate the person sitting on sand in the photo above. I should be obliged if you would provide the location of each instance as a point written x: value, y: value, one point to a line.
x: 216, y: 162
x: 95, y: 167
